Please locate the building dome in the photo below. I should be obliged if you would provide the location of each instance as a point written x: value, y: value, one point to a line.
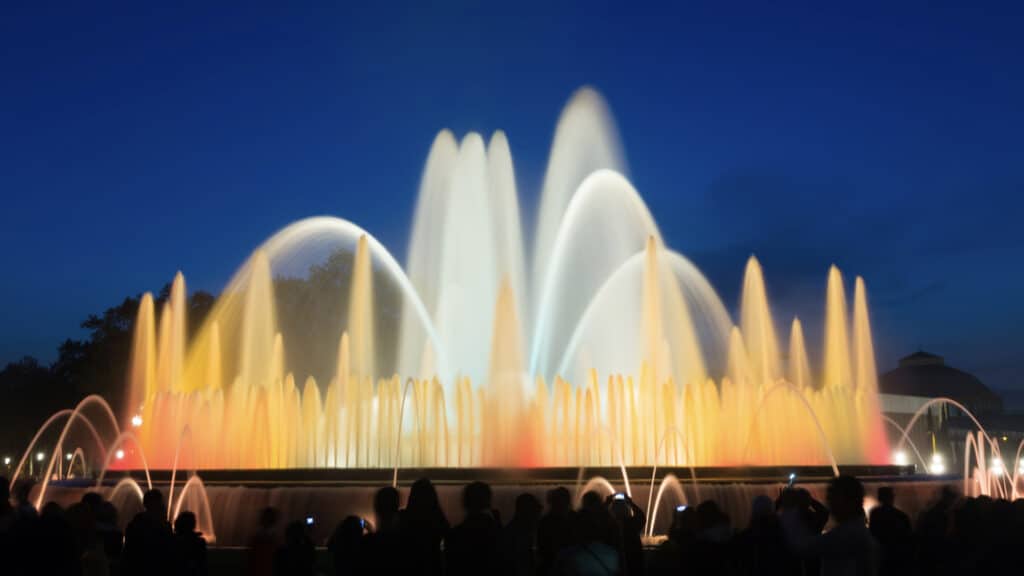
x: 926, y: 375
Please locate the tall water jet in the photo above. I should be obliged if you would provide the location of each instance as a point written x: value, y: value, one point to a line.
x: 838, y: 373
x: 799, y: 366
x: 866, y: 373
x: 259, y: 326
x: 508, y: 379
x: 178, y: 332
x: 758, y: 327
x: 360, y: 314
x: 585, y: 141
x: 142, y: 371
x: 585, y: 253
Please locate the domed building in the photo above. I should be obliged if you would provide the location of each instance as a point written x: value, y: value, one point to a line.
x: 922, y: 377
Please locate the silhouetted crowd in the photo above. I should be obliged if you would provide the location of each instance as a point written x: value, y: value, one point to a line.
x: 793, y: 534
x: 85, y: 538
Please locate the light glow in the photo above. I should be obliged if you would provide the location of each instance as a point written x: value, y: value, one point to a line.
x: 899, y: 458
x: 136, y: 421
x: 119, y: 454
x: 997, y: 468
x: 40, y: 456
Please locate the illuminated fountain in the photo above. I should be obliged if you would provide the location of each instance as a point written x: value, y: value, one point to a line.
x: 612, y: 341
x: 605, y: 349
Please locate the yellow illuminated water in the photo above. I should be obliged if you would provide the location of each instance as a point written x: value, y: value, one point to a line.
x: 616, y: 351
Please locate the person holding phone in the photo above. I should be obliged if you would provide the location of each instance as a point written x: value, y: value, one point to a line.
x: 345, y: 546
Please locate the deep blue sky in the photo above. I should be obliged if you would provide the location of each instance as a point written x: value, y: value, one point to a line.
x: 136, y: 141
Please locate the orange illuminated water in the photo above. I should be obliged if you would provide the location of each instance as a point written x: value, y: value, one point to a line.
x: 613, y: 342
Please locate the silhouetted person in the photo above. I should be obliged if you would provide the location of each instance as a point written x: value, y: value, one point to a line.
x: 679, y: 549
x: 6, y: 510
x: 381, y: 547
x: 345, y: 545
x: 848, y: 548
x: 423, y: 527
x: 189, y: 547
x: 891, y: 528
x: 593, y: 505
x: 629, y: 521
x: 23, y: 506
x: 713, y: 554
x: 57, y: 539
x: 105, y: 515
x: 7, y: 518
x: 519, y: 538
x: 25, y: 542
x: 554, y: 531
x: 473, y: 547
x: 802, y: 517
x: 92, y: 559
x: 1001, y: 537
x: 298, y: 555
x: 263, y: 545
x: 591, y: 554
x: 761, y: 548
x: 148, y: 543
x: 932, y: 535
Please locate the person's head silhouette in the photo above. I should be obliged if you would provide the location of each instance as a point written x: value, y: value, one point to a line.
x: 591, y: 501
x: 385, y: 506
x: 528, y: 508
x: 886, y: 496
x: 559, y: 500
x: 845, y: 498
x: 93, y: 500
x: 153, y: 502
x: 476, y: 497
x: 423, y: 498
x: 185, y: 523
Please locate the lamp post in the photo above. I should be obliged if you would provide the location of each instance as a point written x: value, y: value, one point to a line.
x: 31, y: 462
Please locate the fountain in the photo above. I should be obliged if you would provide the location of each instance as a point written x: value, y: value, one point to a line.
x: 614, y: 352
x: 486, y: 367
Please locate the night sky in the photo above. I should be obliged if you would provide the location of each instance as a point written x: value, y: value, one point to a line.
x: 136, y: 141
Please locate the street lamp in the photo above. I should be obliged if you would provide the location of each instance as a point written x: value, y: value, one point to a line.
x: 40, y: 456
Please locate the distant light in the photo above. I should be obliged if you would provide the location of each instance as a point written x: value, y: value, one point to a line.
x: 1020, y: 466
x: 938, y: 464
x: 997, y: 468
x: 681, y: 508
x: 7, y: 460
x: 40, y: 456
x: 68, y: 456
x: 1005, y: 438
x: 136, y: 421
x: 899, y: 458
x: 119, y: 454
